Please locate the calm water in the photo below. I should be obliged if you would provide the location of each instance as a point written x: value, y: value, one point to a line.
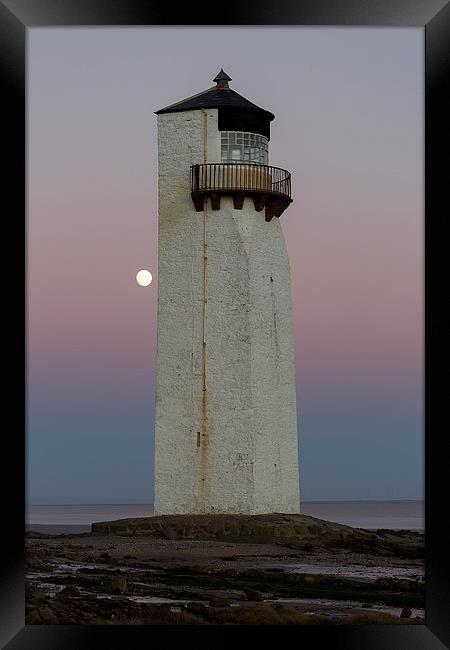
x: 396, y: 515
x: 360, y: 514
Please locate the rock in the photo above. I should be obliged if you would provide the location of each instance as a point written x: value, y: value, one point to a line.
x: 104, y: 557
x: 37, y: 564
x: 116, y: 585
x: 219, y: 601
x: 170, y: 533
x: 311, y: 579
x: 47, y: 616
x: 39, y: 596
x: 89, y: 581
x: 32, y: 617
x: 272, y: 527
x: 197, y: 608
x: 70, y: 591
x: 406, y: 612
x: 59, y: 605
x: 253, y: 595
x: 163, y: 607
x: 119, y: 584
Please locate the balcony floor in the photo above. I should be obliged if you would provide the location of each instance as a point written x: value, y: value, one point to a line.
x: 274, y: 203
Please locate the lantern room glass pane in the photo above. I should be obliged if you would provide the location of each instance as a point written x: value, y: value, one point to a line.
x: 246, y: 147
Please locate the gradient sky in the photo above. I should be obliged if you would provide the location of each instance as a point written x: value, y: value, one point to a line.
x: 348, y: 105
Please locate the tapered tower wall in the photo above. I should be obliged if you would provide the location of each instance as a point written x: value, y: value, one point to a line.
x: 226, y: 425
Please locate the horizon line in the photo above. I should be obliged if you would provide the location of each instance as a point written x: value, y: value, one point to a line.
x: 306, y: 501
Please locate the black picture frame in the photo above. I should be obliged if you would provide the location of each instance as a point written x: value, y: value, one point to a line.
x: 16, y: 16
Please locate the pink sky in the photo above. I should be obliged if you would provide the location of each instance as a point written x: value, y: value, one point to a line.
x: 348, y: 105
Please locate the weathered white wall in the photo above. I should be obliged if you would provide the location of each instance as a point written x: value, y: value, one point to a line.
x: 247, y: 460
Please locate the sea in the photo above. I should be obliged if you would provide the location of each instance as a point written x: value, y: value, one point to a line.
x: 370, y: 515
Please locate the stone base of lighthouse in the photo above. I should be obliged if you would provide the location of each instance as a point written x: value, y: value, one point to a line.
x: 226, y: 423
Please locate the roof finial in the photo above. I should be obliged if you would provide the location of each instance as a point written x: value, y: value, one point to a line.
x: 222, y: 79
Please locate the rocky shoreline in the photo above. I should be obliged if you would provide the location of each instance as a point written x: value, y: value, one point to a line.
x: 219, y: 569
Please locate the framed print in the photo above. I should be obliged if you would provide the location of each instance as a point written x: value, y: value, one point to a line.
x: 222, y: 156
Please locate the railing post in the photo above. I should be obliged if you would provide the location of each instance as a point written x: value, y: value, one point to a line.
x: 196, y: 174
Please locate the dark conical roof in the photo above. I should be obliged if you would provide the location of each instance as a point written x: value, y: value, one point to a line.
x: 219, y: 96
x: 222, y: 79
x: 222, y: 76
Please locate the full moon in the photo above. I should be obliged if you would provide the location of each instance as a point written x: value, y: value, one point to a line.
x: 144, y: 278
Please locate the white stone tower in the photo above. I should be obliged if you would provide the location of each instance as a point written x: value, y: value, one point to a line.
x: 226, y: 423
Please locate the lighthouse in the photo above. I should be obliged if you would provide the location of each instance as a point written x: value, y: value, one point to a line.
x: 226, y: 421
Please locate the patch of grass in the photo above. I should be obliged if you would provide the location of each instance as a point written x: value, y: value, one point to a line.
x: 158, y: 616
x: 261, y: 614
x: 279, y: 614
x: 288, y: 585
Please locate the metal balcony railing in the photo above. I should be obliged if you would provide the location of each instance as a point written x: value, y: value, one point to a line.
x: 269, y: 187
x: 240, y: 177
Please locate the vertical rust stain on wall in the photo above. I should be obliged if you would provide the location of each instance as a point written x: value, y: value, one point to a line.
x: 204, y: 433
x: 204, y: 436
x: 204, y: 441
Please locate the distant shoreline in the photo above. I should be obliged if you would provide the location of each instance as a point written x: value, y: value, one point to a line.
x: 369, y: 515
x: 82, y: 505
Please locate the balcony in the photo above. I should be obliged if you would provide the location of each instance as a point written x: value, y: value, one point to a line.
x: 269, y: 187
